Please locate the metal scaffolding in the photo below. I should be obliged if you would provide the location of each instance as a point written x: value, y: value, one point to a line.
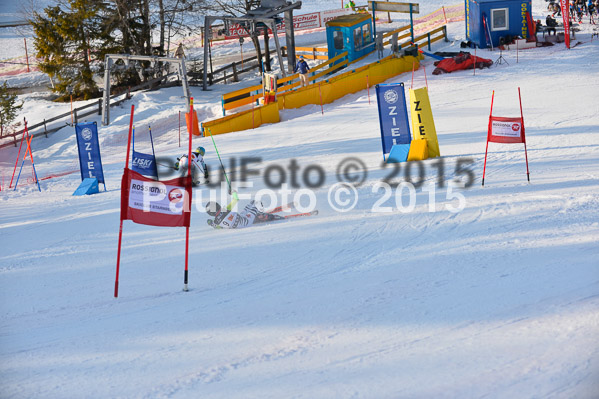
x: 109, y: 61
x: 254, y: 20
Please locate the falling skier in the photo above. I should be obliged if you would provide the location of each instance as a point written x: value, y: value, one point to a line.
x: 199, y: 167
x: 251, y: 214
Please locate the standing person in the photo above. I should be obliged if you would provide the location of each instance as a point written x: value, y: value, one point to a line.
x: 179, y: 53
x: 303, y: 68
x: 197, y: 160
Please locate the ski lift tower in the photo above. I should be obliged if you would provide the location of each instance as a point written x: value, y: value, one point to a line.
x: 254, y: 20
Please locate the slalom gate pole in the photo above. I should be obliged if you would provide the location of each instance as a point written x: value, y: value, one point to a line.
x: 131, y: 132
x: 187, y: 184
x: 118, y: 254
x: 28, y: 141
x: 320, y: 94
x: 474, y: 62
x: 152, y: 142
x: 32, y: 162
x: 220, y: 160
x: 118, y: 261
x: 17, y: 182
x: 425, y: 79
x: 488, y: 129
x: 485, y: 165
x: 368, y: 88
x: 18, y: 156
x: 524, y: 135
x: 40, y: 189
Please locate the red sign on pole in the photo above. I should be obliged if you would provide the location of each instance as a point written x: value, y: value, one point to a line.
x: 155, y: 203
x: 507, y: 131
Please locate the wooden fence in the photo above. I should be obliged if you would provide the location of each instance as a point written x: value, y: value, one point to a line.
x: 79, y: 112
x: 248, y: 95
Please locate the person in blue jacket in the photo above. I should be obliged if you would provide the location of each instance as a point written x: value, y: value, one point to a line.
x: 303, y: 68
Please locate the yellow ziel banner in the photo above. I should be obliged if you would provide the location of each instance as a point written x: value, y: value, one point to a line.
x: 423, y: 125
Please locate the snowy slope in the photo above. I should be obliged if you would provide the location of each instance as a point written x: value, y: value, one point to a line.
x: 500, y: 299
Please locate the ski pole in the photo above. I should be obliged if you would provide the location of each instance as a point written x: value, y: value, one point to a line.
x: 220, y: 160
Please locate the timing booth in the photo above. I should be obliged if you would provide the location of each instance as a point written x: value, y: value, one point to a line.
x: 351, y: 33
x: 490, y: 22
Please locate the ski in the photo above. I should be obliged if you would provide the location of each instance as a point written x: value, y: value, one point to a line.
x: 301, y: 214
x: 271, y: 217
x: 281, y: 208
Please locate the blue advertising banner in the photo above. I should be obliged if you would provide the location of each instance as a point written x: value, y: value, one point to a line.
x: 144, y: 164
x: 393, y: 115
x: 90, y: 161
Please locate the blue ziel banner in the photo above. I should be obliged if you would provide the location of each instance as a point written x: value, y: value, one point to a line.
x: 393, y: 115
x: 144, y: 164
x: 90, y: 161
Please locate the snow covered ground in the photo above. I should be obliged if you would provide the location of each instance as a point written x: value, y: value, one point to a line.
x: 500, y: 299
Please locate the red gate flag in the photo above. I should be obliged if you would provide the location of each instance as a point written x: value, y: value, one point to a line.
x: 507, y: 131
x: 155, y: 203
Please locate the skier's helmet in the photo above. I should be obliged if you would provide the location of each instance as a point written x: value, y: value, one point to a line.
x: 212, y: 208
x: 200, y: 151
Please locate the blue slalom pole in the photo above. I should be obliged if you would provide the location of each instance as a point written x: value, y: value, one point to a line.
x: 36, y: 179
x: 17, y: 182
x: 153, y: 152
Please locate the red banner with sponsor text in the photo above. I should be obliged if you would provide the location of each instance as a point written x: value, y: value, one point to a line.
x: 506, y: 130
x: 155, y: 203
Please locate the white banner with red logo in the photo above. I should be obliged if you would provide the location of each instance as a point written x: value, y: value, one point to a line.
x: 155, y: 203
x: 506, y: 130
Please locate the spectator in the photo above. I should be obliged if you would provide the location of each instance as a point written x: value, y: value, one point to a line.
x: 551, y: 24
x: 179, y: 53
x: 303, y: 68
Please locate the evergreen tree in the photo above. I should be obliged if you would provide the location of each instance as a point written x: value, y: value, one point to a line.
x: 8, y: 108
x: 65, y: 39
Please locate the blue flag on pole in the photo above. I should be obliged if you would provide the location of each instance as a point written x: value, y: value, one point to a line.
x: 90, y: 161
x: 393, y: 115
x: 144, y: 164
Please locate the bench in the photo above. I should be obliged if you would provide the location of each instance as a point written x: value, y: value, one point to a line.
x: 554, y: 30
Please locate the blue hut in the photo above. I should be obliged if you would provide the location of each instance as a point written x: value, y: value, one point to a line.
x: 351, y: 33
x: 490, y: 21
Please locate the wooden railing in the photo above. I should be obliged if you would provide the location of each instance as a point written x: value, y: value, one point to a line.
x: 425, y: 39
x: 435, y: 35
x: 93, y: 108
x: 248, y: 95
x: 310, y: 53
x: 229, y: 72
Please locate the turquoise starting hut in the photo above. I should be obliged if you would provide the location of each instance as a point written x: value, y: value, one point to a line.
x: 351, y: 33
